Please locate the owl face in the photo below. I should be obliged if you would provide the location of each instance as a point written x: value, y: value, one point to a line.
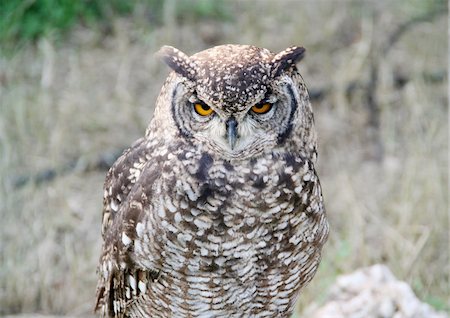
x: 236, y: 100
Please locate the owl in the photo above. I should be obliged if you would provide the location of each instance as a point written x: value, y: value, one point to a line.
x: 217, y: 211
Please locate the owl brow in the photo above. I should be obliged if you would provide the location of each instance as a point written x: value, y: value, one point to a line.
x: 263, y: 101
x: 194, y: 99
x: 269, y: 97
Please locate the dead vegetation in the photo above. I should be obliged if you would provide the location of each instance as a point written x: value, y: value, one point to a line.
x: 65, y: 105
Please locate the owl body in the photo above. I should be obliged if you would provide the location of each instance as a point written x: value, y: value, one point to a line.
x: 216, y: 212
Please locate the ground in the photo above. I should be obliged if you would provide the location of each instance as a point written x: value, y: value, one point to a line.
x: 381, y: 110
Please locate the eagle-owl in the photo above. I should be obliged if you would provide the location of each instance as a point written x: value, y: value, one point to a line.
x: 217, y: 211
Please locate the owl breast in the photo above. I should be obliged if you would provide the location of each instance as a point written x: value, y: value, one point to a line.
x: 233, y: 237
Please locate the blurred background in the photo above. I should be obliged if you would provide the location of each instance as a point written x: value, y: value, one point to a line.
x: 78, y: 83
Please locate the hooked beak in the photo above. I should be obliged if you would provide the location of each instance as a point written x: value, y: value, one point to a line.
x: 232, y: 135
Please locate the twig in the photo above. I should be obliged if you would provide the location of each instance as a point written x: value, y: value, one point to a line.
x: 103, y: 162
x: 406, y: 26
x: 372, y: 86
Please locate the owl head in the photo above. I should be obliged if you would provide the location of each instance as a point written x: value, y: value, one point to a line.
x: 238, y: 100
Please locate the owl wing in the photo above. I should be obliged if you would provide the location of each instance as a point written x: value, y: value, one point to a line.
x: 124, y: 201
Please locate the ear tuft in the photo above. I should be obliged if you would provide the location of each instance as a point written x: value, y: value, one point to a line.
x: 286, y: 58
x: 178, y: 61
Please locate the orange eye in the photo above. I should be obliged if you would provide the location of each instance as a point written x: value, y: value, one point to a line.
x: 262, y: 108
x: 202, y: 109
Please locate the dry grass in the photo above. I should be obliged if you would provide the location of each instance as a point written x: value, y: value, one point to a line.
x: 91, y: 94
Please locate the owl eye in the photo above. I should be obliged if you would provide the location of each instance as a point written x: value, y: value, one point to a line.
x: 262, y: 108
x: 202, y: 109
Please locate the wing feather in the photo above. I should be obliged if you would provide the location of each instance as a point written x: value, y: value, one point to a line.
x: 119, y: 277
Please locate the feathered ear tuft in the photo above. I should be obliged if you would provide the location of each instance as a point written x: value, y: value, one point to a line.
x: 178, y: 61
x: 285, y: 59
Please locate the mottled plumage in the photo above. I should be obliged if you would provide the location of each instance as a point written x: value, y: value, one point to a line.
x: 217, y: 215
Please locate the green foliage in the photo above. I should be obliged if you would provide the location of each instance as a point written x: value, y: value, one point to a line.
x: 437, y: 303
x: 191, y: 10
x: 428, y: 6
x: 24, y: 20
x: 28, y: 20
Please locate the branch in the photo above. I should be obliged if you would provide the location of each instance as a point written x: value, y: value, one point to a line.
x: 408, y: 25
x: 101, y: 163
x: 372, y: 86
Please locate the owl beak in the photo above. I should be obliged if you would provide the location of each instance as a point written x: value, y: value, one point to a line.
x: 232, y: 131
